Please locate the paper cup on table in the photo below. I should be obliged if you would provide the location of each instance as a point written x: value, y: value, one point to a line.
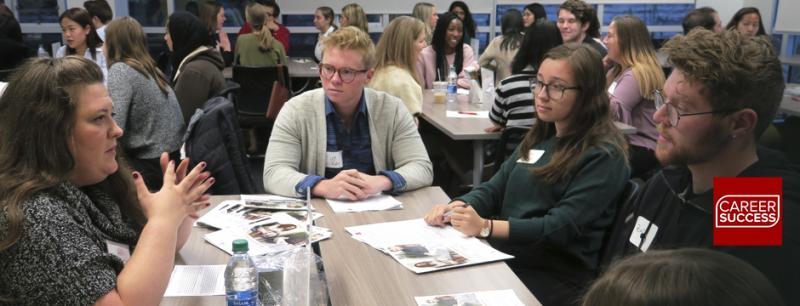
x: 439, y: 92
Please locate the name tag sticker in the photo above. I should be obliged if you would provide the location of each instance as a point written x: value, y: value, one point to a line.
x: 334, y: 160
x: 640, y: 231
x: 533, y: 157
x: 121, y: 250
x: 612, y: 88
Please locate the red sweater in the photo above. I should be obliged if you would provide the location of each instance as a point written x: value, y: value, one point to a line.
x: 282, y: 34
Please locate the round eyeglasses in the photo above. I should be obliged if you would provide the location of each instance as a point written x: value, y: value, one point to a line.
x: 554, y: 91
x: 673, y: 116
x: 347, y: 75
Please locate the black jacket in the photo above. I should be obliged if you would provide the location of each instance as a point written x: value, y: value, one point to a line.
x: 678, y: 218
x: 213, y: 136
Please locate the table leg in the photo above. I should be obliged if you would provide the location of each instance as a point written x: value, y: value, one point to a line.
x: 477, y: 162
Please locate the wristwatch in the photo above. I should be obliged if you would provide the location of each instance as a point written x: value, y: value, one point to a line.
x: 487, y: 229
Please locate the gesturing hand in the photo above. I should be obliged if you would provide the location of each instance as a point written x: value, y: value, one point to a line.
x: 177, y: 198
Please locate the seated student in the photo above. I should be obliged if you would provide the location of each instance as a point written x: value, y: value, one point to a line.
x: 556, y: 195
x: 747, y: 21
x: 81, y: 38
x: 145, y: 107
x: 101, y: 15
x: 501, y: 49
x: 462, y: 11
x: 447, y: 48
x: 196, y: 65
x: 323, y: 21
x: 698, y: 18
x: 717, y: 23
x: 278, y: 31
x: 258, y: 49
x: 722, y: 94
x: 686, y: 277
x: 72, y: 212
x: 533, y: 13
x: 353, y: 15
x: 212, y: 14
x: 344, y: 141
x: 634, y: 76
x: 14, y: 51
x: 578, y: 23
x: 396, y: 68
x: 426, y: 12
x: 513, y: 102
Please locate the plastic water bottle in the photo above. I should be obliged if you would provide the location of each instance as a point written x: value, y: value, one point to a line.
x: 452, y: 86
x: 241, y: 277
x: 41, y: 52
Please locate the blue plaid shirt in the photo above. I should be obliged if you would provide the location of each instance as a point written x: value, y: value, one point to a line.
x: 356, y: 148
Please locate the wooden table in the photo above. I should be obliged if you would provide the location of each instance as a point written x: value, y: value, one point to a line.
x: 470, y: 129
x: 788, y: 105
x: 299, y: 67
x: 358, y: 274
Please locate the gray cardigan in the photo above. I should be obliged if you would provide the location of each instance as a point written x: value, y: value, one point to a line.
x: 298, y: 142
x: 152, y: 122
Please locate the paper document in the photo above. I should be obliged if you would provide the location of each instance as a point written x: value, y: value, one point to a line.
x: 237, y: 213
x: 204, y: 280
x: 422, y: 248
x: 479, y: 298
x: 275, y: 234
x: 467, y: 114
x: 380, y: 202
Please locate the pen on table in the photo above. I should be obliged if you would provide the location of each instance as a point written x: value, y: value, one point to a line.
x: 468, y: 113
x: 451, y: 212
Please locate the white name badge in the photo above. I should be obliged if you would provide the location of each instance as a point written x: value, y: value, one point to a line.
x: 612, y: 87
x: 533, y: 157
x: 334, y: 160
x: 639, y: 232
x: 121, y: 250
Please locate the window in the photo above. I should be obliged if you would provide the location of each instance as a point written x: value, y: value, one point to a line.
x: 37, y: 11
x: 651, y: 14
x: 150, y: 13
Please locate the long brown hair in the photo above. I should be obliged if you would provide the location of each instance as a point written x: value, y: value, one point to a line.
x: 398, y: 44
x: 37, y: 119
x: 590, y: 125
x: 208, y: 14
x: 127, y: 43
x: 637, y: 52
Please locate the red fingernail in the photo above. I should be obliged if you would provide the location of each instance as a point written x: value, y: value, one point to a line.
x: 202, y: 164
x: 212, y: 180
x: 136, y: 175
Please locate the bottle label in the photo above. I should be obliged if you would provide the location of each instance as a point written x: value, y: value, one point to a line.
x: 243, y: 298
x: 452, y: 88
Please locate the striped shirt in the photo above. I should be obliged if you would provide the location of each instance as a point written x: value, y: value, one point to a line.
x: 513, y: 103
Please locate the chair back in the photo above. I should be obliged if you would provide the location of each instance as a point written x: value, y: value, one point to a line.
x: 252, y: 100
x: 624, y: 209
x: 510, y: 138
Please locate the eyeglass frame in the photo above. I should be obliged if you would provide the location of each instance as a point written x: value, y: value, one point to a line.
x: 546, y: 87
x: 338, y: 71
x: 659, y: 101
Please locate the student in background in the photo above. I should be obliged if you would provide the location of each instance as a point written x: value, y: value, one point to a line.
x: 686, y: 277
x: 717, y: 23
x: 447, y: 48
x: 71, y: 209
x: 698, y: 18
x: 533, y: 13
x: 212, y: 14
x: 14, y: 51
x: 634, y: 77
x: 323, y: 21
x: 145, y: 106
x: 747, y: 21
x: 426, y: 13
x: 462, y: 11
x: 513, y: 103
x: 258, y: 49
x: 278, y: 31
x: 557, y: 194
x: 81, y: 37
x: 197, y: 65
x: 344, y: 141
x: 101, y: 15
x: 578, y: 23
x: 722, y: 94
x: 501, y: 49
x: 353, y: 15
x: 396, y: 67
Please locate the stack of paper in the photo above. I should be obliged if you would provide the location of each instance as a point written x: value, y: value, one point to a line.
x: 197, y: 280
x: 480, y: 298
x: 379, y: 202
x: 422, y: 248
x: 277, y: 233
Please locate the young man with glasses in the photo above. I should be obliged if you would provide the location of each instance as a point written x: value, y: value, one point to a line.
x: 345, y: 141
x: 723, y: 92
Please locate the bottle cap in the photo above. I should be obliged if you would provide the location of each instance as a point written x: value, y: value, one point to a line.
x: 240, y: 246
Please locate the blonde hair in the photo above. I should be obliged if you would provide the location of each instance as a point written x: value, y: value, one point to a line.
x: 355, y: 15
x: 352, y: 38
x: 423, y: 11
x: 256, y: 15
x: 398, y: 45
x: 637, y: 52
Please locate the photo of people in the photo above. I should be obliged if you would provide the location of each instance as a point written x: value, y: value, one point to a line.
x: 420, y: 258
x: 467, y: 299
x: 410, y: 251
x: 256, y: 214
x: 289, y: 204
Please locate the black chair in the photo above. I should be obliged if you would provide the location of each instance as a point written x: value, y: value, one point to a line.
x: 624, y: 210
x: 252, y: 99
x: 509, y: 140
x: 4, y: 74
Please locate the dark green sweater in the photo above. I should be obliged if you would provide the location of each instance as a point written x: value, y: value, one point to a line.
x: 556, y: 227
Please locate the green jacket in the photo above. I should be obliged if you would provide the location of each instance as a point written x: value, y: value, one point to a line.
x: 249, y: 53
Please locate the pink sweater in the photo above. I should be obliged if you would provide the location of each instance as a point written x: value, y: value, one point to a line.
x: 631, y: 108
x: 426, y: 66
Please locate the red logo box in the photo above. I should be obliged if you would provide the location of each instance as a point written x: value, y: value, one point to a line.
x: 748, y: 211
